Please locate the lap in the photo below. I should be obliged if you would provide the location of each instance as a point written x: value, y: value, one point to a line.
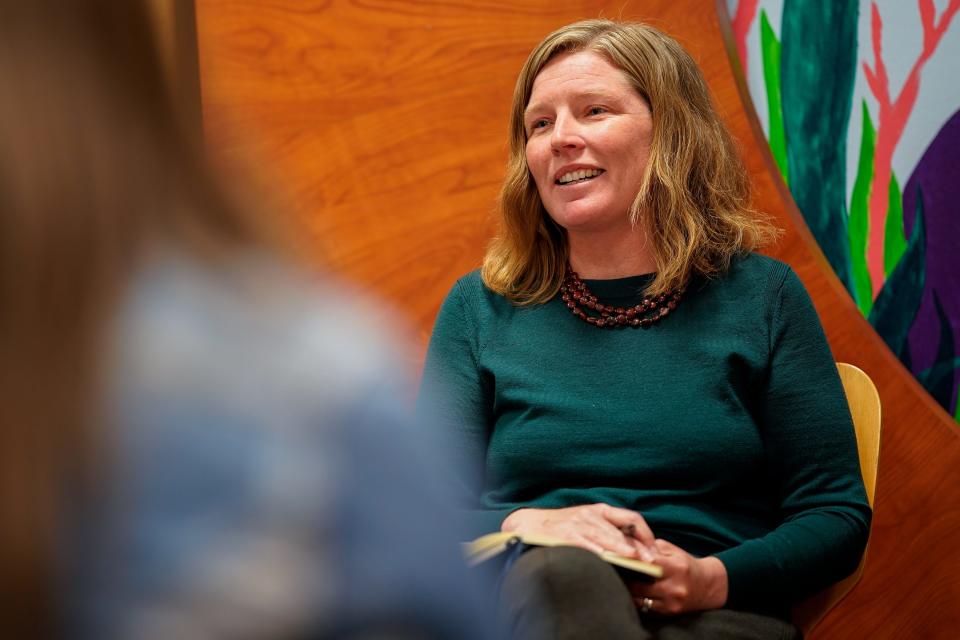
x: 721, y: 624
x: 570, y: 593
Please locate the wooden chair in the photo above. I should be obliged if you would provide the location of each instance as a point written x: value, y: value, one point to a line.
x: 864, y: 404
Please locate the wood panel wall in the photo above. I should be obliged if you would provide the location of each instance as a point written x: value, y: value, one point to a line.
x: 384, y: 122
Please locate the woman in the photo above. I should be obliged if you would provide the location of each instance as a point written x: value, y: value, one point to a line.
x: 633, y: 377
x: 194, y: 443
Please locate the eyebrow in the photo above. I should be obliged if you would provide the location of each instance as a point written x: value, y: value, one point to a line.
x: 585, y: 94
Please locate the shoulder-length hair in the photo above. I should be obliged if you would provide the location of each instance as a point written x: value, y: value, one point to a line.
x: 96, y: 168
x: 694, y: 198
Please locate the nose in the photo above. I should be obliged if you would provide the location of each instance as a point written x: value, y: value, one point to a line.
x: 566, y: 135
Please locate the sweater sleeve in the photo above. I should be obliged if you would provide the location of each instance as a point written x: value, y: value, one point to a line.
x: 457, y: 396
x: 812, y: 460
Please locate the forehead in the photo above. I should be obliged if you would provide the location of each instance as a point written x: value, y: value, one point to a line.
x: 582, y: 72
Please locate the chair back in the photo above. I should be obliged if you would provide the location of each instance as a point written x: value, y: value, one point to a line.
x: 864, y: 404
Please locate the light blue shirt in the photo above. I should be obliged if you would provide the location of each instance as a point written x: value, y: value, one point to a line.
x: 261, y: 474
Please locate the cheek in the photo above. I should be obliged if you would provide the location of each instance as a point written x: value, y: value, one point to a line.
x: 639, y: 159
x: 537, y: 161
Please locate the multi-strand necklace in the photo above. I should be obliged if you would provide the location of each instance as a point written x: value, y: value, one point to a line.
x: 585, y: 305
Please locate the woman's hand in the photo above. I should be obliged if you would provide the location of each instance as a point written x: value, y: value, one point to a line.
x: 597, y: 527
x: 688, y: 583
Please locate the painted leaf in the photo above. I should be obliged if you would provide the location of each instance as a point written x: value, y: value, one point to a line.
x: 896, y: 305
x: 938, y: 374
x: 938, y: 176
x: 894, y: 241
x: 956, y: 412
x: 770, y: 49
x: 817, y: 68
x: 859, y: 225
x: 938, y: 380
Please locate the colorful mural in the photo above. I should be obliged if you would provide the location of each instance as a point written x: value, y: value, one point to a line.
x: 860, y: 101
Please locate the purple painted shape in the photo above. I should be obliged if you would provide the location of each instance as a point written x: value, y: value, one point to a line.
x: 938, y: 176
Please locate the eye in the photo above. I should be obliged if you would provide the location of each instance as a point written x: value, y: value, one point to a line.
x: 539, y: 123
x: 596, y: 111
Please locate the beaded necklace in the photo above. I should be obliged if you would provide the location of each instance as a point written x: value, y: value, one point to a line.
x: 585, y: 305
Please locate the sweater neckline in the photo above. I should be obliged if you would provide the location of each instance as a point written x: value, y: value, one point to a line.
x: 627, y: 288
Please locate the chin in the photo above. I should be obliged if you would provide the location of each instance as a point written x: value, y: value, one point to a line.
x: 581, y: 218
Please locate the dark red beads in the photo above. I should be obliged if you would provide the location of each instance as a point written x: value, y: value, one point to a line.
x: 577, y: 297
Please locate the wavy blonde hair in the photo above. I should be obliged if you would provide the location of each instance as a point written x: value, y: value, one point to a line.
x: 694, y: 198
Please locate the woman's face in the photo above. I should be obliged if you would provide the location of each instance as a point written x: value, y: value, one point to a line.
x: 588, y: 141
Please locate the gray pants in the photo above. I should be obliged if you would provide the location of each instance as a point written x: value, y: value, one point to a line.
x: 565, y: 593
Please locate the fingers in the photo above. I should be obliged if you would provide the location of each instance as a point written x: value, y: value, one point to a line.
x: 591, y: 524
x: 597, y: 527
x: 599, y: 547
x: 675, y: 592
x: 661, y: 589
x: 630, y: 524
x: 646, y: 604
x: 647, y: 598
x: 599, y: 541
x: 586, y: 543
x: 665, y: 548
x: 624, y: 518
x: 612, y: 541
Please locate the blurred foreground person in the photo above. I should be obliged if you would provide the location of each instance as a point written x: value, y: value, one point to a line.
x: 198, y: 441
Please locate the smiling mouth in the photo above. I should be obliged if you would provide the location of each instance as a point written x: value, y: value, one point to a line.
x: 581, y: 175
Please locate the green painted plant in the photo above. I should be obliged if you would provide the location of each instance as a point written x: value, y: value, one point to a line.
x: 938, y: 379
x: 894, y: 240
x: 809, y: 70
x: 770, y: 48
x: 817, y: 69
x: 956, y: 415
x: 897, y: 304
x: 859, y: 224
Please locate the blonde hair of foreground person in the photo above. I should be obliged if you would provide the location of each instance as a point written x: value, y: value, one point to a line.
x: 94, y: 170
x: 693, y: 200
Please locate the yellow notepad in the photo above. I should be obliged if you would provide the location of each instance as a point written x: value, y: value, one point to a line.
x: 492, y: 544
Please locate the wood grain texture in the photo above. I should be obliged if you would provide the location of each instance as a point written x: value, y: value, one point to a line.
x: 867, y: 412
x: 385, y: 123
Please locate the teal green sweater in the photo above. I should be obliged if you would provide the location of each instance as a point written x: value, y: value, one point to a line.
x: 724, y: 425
